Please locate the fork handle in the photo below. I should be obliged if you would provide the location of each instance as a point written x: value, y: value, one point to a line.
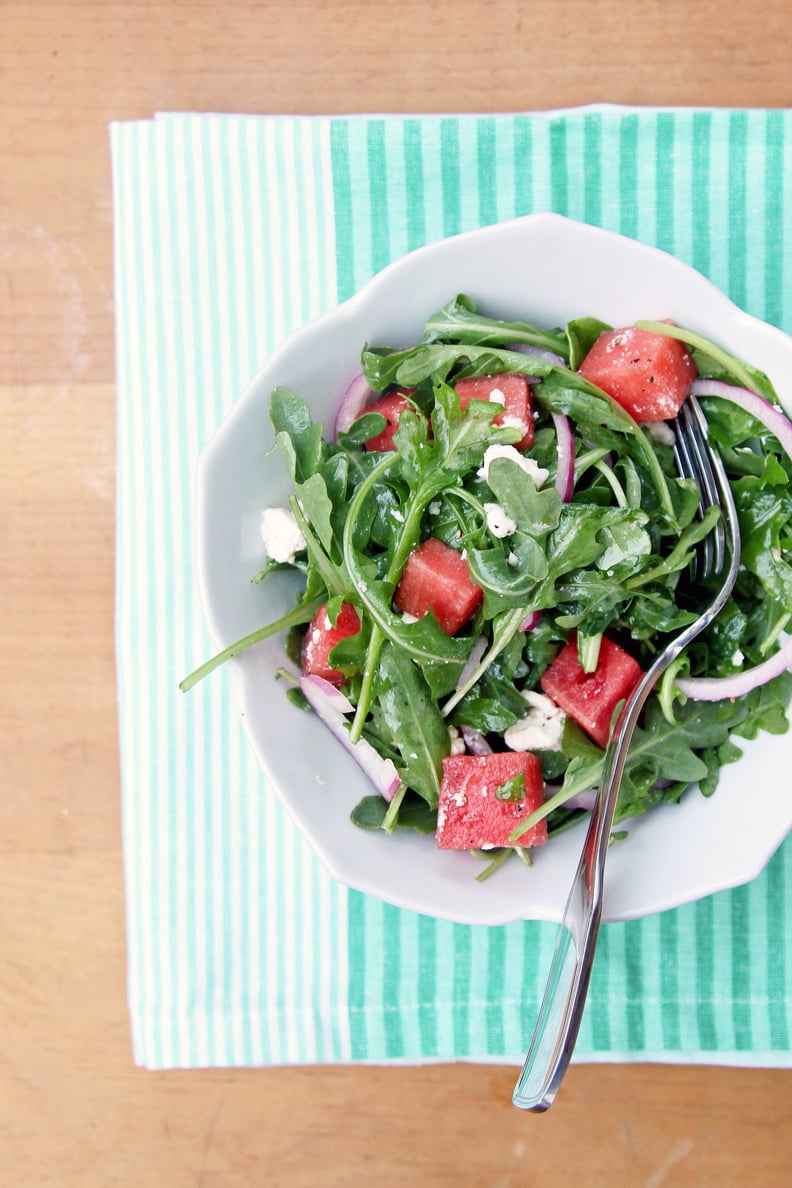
x: 564, y: 999
x: 560, y: 1014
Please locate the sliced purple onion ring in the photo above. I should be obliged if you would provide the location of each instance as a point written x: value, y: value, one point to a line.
x: 523, y: 348
x: 530, y: 621
x: 721, y: 688
x: 578, y: 800
x: 565, y: 471
x: 476, y: 652
x: 353, y: 404
x: 475, y: 742
x: 330, y: 706
x: 770, y: 416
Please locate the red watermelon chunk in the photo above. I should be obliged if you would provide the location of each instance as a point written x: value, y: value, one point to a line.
x: 321, y: 637
x: 391, y: 408
x: 591, y: 697
x: 510, y: 390
x: 436, y: 577
x: 648, y: 374
x: 470, y: 816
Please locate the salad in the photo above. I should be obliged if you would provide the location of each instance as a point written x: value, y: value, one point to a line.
x: 494, y: 543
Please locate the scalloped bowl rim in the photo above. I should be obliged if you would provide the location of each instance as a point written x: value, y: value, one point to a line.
x: 663, y: 865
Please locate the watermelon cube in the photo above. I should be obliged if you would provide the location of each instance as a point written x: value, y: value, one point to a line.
x: 436, y: 577
x: 509, y: 390
x: 648, y: 374
x: 391, y: 408
x: 591, y: 697
x: 472, y: 816
x: 321, y: 637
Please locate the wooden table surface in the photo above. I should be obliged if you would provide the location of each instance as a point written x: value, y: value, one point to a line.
x: 73, y: 1109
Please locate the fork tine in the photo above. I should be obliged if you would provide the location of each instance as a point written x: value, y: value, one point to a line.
x: 694, y: 460
x: 711, y: 476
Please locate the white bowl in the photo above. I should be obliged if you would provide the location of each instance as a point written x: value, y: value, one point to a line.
x: 544, y: 269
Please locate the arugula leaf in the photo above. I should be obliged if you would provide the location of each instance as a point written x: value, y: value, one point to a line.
x: 509, y: 576
x: 512, y: 789
x: 417, y: 727
x: 581, y: 334
x: 462, y: 437
x: 627, y: 543
x: 764, y: 514
x: 534, y: 511
x: 370, y: 812
x: 369, y: 425
x: 459, y: 322
x: 317, y: 507
x: 298, y: 437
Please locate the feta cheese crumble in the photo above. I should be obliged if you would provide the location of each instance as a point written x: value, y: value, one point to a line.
x: 281, y: 534
x: 457, y: 741
x: 536, y: 472
x: 510, y: 422
x: 661, y: 432
x: 540, y: 728
x: 499, y: 522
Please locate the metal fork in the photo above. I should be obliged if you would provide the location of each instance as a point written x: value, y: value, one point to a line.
x: 561, y: 1011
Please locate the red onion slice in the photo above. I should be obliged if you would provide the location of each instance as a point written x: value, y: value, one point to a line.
x: 578, y: 800
x: 475, y: 742
x: 476, y: 652
x: 523, y: 348
x: 530, y: 620
x: 565, y: 472
x: 328, y: 703
x: 719, y: 688
x: 722, y: 688
x: 353, y: 404
x: 332, y: 697
x: 770, y: 416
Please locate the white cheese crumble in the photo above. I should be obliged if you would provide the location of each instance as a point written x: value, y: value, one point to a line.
x: 510, y: 422
x: 281, y: 534
x: 537, y: 473
x: 661, y: 431
x: 434, y: 507
x: 457, y: 742
x: 540, y: 728
x: 499, y: 522
x: 497, y: 397
x: 408, y: 618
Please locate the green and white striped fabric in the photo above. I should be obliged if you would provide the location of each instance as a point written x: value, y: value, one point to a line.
x: 230, y: 231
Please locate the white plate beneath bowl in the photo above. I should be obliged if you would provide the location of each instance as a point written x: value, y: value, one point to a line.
x: 545, y: 269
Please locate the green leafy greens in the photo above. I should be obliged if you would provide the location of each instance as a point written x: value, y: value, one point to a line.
x: 611, y: 560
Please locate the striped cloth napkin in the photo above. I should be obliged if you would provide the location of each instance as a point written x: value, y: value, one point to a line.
x: 230, y: 231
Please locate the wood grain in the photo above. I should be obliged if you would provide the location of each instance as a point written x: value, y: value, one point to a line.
x: 73, y: 1109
